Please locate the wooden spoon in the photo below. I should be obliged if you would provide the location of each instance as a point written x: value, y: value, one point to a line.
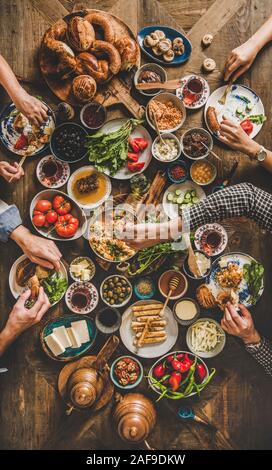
x: 192, y: 262
x: 173, y: 284
x: 168, y: 85
x: 157, y: 128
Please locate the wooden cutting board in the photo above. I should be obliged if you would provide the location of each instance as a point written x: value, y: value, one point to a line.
x: 117, y: 89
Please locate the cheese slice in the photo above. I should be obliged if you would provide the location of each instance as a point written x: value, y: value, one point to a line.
x: 85, y: 274
x: 74, y: 338
x: 54, y: 344
x: 62, y: 335
x: 84, y: 264
x: 81, y: 329
x: 76, y: 269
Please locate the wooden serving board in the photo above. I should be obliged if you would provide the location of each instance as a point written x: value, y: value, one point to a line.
x: 117, y: 89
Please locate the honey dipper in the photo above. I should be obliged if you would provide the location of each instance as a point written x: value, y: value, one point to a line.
x: 173, y: 284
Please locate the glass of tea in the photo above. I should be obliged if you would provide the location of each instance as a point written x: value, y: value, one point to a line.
x: 50, y: 168
x: 192, y: 90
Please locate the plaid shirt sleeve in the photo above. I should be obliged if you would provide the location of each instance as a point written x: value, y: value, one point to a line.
x: 239, y: 200
x: 236, y: 201
x: 262, y: 352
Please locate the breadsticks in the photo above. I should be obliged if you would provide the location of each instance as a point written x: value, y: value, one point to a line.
x: 147, y: 324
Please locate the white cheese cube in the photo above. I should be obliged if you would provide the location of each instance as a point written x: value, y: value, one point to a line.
x: 54, y: 344
x: 81, y: 329
x: 61, y: 334
x: 85, y: 275
x: 84, y: 264
x: 75, y: 340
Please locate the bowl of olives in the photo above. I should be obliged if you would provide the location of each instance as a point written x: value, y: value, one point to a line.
x: 68, y: 142
x: 116, y: 291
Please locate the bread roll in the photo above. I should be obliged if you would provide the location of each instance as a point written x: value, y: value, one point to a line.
x: 84, y: 88
x: 80, y: 34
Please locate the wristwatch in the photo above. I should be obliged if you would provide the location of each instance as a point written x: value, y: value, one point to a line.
x: 261, y: 155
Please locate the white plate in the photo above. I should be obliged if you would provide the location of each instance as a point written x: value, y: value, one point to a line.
x: 228, y: 110
x: 17, y: 290
x: 216, y: 227
x: 203, y: 96
x: 56, y: 181
x: 149, y: 350
x: 93, y: 205
x: 145, y: 156
x: 240, y: 259
x: 169, y: 207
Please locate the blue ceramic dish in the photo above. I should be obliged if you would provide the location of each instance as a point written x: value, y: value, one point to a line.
x: 175, y: 163
x: 170, y: 33
x: 141, y: 296
x: 114, y: 379
x: 70, y: 353
x: 9, y: 136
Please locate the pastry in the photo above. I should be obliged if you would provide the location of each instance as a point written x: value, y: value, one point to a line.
x: 224, y: 297
x: 128, y: 50
x: 178, y: 46
x: 156, y: 50
x: 205, y: 297
x: 209, y: 65
x: 84, y: 88
x: 24, y: 271
x: 80, y: 33
x: 111, y: 52
x: 164, y: 46
x: 207, y: 40
x: 104, y: 21
x: 160, y: 34
x: 169, y: 56
x: 151, y: 40
x: 88, y: 64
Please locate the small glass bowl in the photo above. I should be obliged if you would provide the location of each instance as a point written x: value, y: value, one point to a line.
x: 144, y: 296
x: 173, y: 164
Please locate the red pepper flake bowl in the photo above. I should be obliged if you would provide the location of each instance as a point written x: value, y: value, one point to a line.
x: 116, y: 369
x: 177, y: 172
x: 170, y: 375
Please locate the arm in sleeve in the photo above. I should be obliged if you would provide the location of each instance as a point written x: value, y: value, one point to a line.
x: 236, y: 201
x: 263, y: 354
x: 9, y: 220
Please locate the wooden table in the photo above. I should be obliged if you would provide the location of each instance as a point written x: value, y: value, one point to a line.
x: 238, y: 401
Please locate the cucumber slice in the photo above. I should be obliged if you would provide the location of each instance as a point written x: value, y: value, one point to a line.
x: 170, y: 197
x: 239, y: 110
x: 175, y: 200
x: 193, y: 193
x: 187, y: 196
x: 195, y: 200
x: 249, y: 106
x: 178, y: 192
x: 180, y: 200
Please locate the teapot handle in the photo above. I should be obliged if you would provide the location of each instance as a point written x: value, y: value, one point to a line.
x: 148, y: 446
x: 106, y: 352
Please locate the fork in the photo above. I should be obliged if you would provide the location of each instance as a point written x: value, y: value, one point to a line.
x: 223, y: 98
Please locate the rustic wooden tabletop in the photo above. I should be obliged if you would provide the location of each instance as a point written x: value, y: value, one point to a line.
x: 238, y: 401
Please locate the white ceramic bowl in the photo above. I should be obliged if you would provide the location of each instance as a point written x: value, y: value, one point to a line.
x: 93, y: 205
x: 202, y: 131
x: 153, y: 68
x: 125, y: 301
x: 218, y: 348
x: 165, y: 136
x: 76, y: 211
x: 212, y: 178
x: 164, y: 98
x: 80, y: 258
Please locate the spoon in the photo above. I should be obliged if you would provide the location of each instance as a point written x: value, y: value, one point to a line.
x: 158, y: 130
x: 173, y: 284
x: 106, y: 96
x: 211, y: 151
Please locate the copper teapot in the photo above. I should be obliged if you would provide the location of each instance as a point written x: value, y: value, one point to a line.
x: 135, y: 417
x: 86, y: 383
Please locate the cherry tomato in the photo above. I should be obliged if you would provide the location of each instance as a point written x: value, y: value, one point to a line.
x: 66, y: 226
x: 247, y: 126
x: 51, y: 217
x: 39, y: 220
x: 61, y: 206
x: 43, y: 206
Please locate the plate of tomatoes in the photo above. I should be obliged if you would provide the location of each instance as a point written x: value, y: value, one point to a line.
x: 57, y: 216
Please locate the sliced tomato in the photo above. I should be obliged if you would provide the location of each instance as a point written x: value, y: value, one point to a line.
x: 21, y: 142
x: 247, y: 126
x: 134, y: 167
x: 141, y: 143
x: 133, y: 157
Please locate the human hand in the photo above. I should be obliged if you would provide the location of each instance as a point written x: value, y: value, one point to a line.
x: 143, y: 235
x: 239, y: 60
x: 240, y: 325
x: 35, y: 110
x: 235, y: 137
x: 22, y: 318
x: 11, y: 172
x: 37, y: 249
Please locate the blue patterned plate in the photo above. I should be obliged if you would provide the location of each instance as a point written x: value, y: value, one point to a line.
x: 240, y: 259
x: 70, y: 353
x: 171, y: 34
x: 9, y: 136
